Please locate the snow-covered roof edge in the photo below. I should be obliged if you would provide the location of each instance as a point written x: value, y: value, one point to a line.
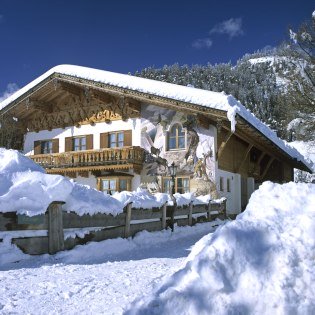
x: 209, y: 99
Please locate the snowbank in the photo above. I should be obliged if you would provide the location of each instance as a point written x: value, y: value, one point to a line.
x: 141, y: 199
x: 261, y: 263
x: 25, y: 188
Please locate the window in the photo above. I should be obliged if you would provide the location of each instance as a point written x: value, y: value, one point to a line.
x: 228, y: 185
x: 221, y: 184
x: 116, y: 139
x: 111, y: 185
x: 181, y: 184
x: 176, y: 138
x: 46, y: 147
x: 79, y: 143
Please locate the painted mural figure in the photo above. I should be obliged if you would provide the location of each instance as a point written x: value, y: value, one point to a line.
x: 195, y: 161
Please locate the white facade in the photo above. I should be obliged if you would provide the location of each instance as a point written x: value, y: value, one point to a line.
x: 133, y: 124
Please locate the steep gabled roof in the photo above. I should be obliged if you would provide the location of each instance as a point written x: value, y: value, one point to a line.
x: 199, y: 97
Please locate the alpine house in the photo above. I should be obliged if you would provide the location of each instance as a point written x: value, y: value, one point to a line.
x: 118, y: 132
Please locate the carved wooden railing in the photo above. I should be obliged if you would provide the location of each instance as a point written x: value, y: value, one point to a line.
x: 111, y: 156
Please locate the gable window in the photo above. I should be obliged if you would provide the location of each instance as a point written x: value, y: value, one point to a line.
x: 176, y: 138
x: 181, y: 184
x: 116, y: 139
x: 110, y: 185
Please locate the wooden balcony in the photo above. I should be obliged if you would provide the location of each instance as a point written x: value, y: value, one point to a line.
x: 92, y: 160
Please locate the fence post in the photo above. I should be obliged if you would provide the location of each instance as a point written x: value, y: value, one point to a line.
x: 55, y: 227
x: 128, y: 219
x: 209, y: 211
x: 164, y: 216
x: 190, y: 213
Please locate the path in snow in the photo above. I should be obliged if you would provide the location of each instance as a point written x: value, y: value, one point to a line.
x: 86, y: 281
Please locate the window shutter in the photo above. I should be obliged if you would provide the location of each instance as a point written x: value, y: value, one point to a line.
x: 104, y: 140
x: 68, y: 144
x: 128, y: 138
x: 89, y: 142
x: 55, y: 146
x: 37, y: 147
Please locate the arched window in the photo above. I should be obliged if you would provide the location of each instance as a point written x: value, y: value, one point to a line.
x: 176, y: 138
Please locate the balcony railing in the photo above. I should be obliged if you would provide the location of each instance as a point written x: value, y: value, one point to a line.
x: 91, y: 158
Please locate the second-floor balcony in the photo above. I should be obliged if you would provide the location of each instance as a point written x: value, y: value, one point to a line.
x: 102, y: 159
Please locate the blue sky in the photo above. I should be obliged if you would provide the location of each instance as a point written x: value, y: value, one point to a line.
x: 125, y: 36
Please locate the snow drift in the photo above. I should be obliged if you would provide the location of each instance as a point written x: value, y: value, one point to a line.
x: 25, y: 188
x: 261, y: 263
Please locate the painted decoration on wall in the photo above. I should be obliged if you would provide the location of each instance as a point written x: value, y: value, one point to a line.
x: 196, y: 159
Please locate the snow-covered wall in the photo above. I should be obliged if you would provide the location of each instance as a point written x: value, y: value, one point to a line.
x: 132, y: 124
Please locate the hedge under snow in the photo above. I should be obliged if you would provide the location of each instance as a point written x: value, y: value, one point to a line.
x: 261, y: 263
x: 25, y: 188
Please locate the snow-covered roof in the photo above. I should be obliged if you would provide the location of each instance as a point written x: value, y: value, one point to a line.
x: 204, y: 98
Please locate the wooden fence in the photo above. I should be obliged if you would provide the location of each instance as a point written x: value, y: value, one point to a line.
x: 57, y: 230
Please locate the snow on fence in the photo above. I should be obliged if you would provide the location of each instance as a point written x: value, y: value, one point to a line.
x: 58, y: 230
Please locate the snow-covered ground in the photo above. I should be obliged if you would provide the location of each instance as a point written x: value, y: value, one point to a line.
x: 261, y: 263
x: 97, y: 278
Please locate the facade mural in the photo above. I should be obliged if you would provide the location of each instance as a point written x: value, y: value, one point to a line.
x: 162, y: 130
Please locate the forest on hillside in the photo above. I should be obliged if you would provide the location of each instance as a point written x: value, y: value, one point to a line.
x: 276, y: 84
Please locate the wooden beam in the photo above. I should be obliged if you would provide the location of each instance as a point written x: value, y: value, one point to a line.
x: 40, y: 105
x: 267, y: 168
x: 262, y: 155
x: 244, y: 157
x: 67, y: 87
x: 223, y: 144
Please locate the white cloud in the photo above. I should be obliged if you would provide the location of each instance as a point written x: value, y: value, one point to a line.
x: 231, y: 27
x: 10, y: 89
x: 202, y: 43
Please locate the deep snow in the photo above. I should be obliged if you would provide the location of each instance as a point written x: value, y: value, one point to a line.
x: 261, y: 263
x: 25, y: 188
x: 97, y: 278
